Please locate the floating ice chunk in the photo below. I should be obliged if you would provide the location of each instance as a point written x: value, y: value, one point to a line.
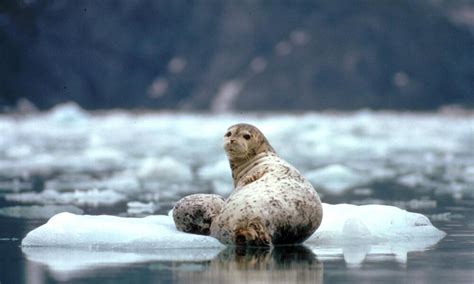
x: 363, y: 191
x: 165, y: 169
x: 335, y: 179
x: 413, y: 180
x: 91, y: 197
x: 38, y: 212
x: 217, y: 171
x: 219, y: 176
x: 124, y: 182
x: 19, y: 151
x: 416, y: 204
x: 346, y: 223
x: 70, y: 243
x: 136, y: 207
x: 341, y: 224
x: 222, y: 188
x: 469, y: 174
x: 68, y: 113
x: 15, y: 185
x: 445, y: 217
x: 104, y: 155
x: 152, y: 232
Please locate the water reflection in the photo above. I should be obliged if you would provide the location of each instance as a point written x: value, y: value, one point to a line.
x: 288, y: 264
x: 70, y: 263
x: 283, y: 264
x: 354, y: 255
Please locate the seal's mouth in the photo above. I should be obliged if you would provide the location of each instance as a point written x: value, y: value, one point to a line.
x: 235, y: 149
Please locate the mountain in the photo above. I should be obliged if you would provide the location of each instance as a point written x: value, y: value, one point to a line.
x: 237, y: 55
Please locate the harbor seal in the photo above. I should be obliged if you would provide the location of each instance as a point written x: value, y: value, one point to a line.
x: 272, y: 203
x: 194, y: 213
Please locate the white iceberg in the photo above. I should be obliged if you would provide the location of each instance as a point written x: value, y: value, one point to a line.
x: 93, y: 197
x: 67, y: 113
x: 110, y: 232
x: 122, y: 182
x: 165, y: 169
x: 71, y: 243
x: 38, y: 212
x: 218, y: 171
x: 335, y: 179
x: 360, y: 148
x: 137, y: 207
x: 342, y: 224
x: 373, y: 224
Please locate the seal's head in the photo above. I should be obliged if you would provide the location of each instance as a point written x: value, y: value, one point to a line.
x: 244, y: 141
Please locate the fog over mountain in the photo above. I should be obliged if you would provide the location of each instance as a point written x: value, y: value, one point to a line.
x: 238, y: 55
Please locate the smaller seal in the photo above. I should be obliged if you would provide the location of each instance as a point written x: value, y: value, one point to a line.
x: 195, y: 213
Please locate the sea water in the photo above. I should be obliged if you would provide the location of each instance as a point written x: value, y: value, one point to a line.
x: 130, y: 165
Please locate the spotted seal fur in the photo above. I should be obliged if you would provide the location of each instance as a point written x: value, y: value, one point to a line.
x: 195, y: 213
x: 272, y: 203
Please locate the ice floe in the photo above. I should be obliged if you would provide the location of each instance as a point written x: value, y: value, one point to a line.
x: 68, y: 113
x: 161, y: 150
x: 219, y: 176
x: 93, y: 197
x: 70, y: 243
x: 152, y: 232
x: 341, y: 224
x: 347, y: 223
x: 38, y: 212
x: 137, y: 208
x: 335, y: 179
x: 165, y: 169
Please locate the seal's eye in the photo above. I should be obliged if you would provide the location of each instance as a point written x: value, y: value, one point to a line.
x: 228, y: 134
x: 247, y: 137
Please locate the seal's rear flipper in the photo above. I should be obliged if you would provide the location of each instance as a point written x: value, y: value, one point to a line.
x: 251, y: 234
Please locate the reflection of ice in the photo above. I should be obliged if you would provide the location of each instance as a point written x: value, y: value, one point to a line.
x: 232, y: 264
x: 67, y: 263
x: 356, y: 254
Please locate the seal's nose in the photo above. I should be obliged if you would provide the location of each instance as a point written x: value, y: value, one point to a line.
x: 232, y: 141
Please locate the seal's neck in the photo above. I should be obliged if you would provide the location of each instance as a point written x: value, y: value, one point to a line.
x: 241, y: 167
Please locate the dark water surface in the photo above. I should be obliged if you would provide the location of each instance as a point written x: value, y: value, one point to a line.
x: 449, y: 261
